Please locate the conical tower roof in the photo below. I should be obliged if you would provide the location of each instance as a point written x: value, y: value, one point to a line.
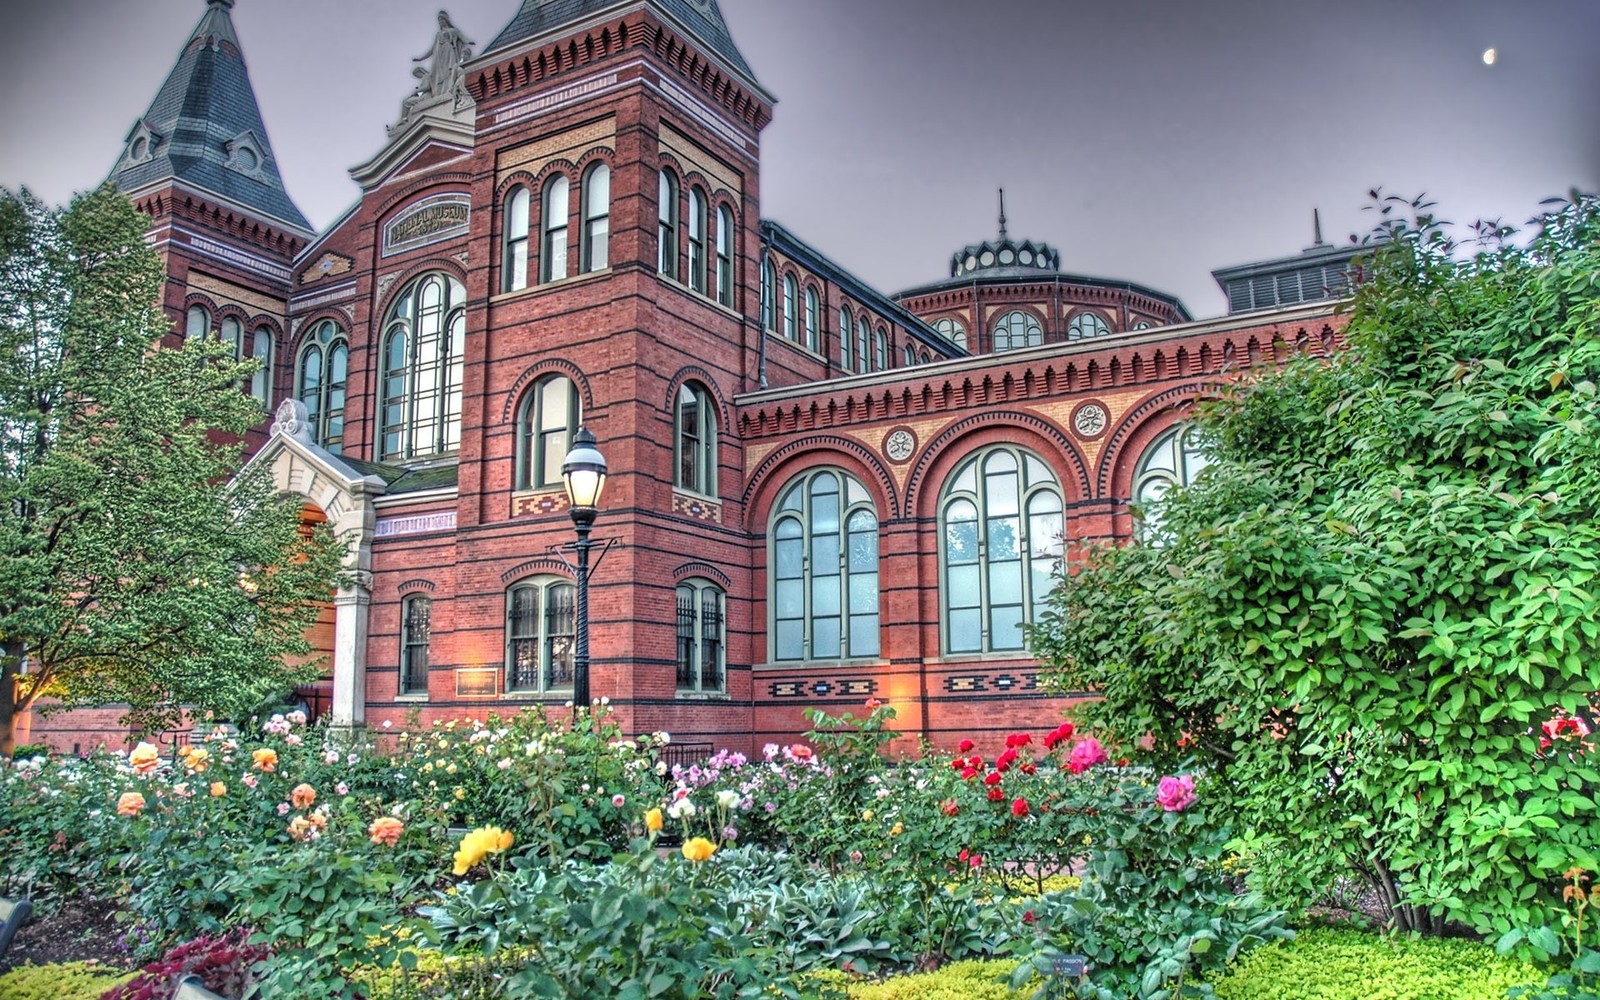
x: 703, y: 19
x: 204, y: 128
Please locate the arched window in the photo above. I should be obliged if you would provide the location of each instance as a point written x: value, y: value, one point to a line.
x: 416, y: 615
x: 725, y: 256
x: 702, y: 608
x: 541, y: 625
x: 769, y: 306
x: 231, y: 333
x: 197, y: 323
x: 667, y: 227
x: 697, y: 240
x: 864, y: 343
x: 910, y: 356
x: 1001, y: 547
x: 824, y: 570
x: 261, y: 351
x: 880, y: 349
x: 320, y: 381
x: 813, y: 320
x: 1017, y: 330
x: 421, y: 376
x: 555, y: 204
x: 596, y: 252
x: 696, y: 436
x: 1174, y: 458
x: 1086, y: 325
x: 846, y: 355
x: 514, y: 260
x: 954, y: 330
x: 791, y: 308
x: 545, y: 425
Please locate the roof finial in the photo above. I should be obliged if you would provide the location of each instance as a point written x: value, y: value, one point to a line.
x: 1316, y: 227
x: 1002, y: 215
x: 225, y: 4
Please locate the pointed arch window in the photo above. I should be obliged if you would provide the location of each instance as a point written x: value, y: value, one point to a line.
x: 824, y: 570
x: 541, y: 627
x: 546, y: 422
x: 702, y: 608
x: 416, y: 630
x: 554, y: 222
x: 197, y: 322
x: 1087, y: 325
x: 1017, y: 330
x: 596, y: 252
x: 514, y: 259
x: 1174, y: 458
x: 1000, y: 548
x: 697, y: 240
x: 725, y: 256
x: 667, y: 225
x: 695, y: 434
x: 420, y: 383
x: 791, y: 308
x: 846, y: 355
x: 813, y: 320
x: 321, y: 377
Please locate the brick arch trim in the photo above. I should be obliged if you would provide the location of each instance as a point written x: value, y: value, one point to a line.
x: 691, y: 570
x: 867, y: 457
x: 543, y: 367
x: 697, y: 374
x: 457, y: 182
x: 308, y: 323
x: 535, y: 567
x: 403, y: 280
x: 983, y: 421
x: 416, y: 587
x: 1132, y: 421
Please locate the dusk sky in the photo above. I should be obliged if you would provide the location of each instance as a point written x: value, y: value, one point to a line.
x: 1147, y: 140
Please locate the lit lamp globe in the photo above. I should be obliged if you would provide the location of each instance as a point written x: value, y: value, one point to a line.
x: 585, y: 474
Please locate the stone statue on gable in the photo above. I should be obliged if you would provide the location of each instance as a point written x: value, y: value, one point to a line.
x: 442, y: 85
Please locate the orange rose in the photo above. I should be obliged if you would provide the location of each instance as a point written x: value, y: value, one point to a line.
x: 197, y: 760
x: 386, y: 830
x: 144, y: 758
x: 266, y: 759
x: 218, y: 789
x: 302, y: 796
x: 652, y: 820
x: 131, y: 804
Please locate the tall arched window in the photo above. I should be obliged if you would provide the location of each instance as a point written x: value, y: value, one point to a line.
x: 910, y: 356
x: 261, y: 351
x: 695, y: 434
x: 231, y: 333
x: 596, y: 251
x: 846, y: 335
x: 1174, y: 458
x: 1001, y: 546
x: 423, y: 343
x: 880, y: 349
x: 514, y: 259
x: 554, y: 225
x: 197, y: 323
x: 320, y: 380
x: 1017, y: 330
x: 824, y: 570
x: 1086, y: 325
x: 813, y: 320
x: 864, y: 343
x: 667, y: 226
x: 697, y: 240
x: 541, y: 625
x: 725, y: 256
x: 701, y: 611
x: 545, y: 425
x: 416, y: 628
x: 769, y: 305
x: 791, y: 308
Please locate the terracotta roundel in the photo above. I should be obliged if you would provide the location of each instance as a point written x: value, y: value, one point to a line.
x: 1090, y: 420
x: 899, y: 445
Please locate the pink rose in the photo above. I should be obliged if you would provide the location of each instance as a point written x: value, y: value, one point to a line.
x: 1086, y: 754
x: 1175, y: 794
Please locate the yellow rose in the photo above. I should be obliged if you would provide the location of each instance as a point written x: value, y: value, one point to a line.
x: 698, y: 849
x: 144, y: 758
x: 652, y: 820
x: 867, y: 815
x: 218, y: 789
x: 478, y: 844
x: 897, y: 829
x: 197, y: 760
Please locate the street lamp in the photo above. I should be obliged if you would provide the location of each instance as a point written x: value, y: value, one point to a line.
x: 585, y: 474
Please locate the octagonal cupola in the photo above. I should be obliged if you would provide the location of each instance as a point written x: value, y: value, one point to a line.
x: 1004, y: 257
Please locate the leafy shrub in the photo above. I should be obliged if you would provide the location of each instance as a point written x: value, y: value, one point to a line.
x: 1329, y: 964
x: 956, y: 981
x: 224, y: 964
x: 25, y: 751
x: 69, y: 981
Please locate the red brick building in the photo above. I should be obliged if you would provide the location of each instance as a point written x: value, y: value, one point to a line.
x: 818, y: 493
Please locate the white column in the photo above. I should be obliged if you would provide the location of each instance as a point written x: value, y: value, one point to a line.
x: 350, y: 608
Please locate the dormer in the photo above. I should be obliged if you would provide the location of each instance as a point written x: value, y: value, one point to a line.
x: 142, y: 144
x: 246, y: 155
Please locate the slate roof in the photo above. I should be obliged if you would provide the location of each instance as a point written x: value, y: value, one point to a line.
x: 206, y: 103
x: 400, y: 479
x: 703, y: 18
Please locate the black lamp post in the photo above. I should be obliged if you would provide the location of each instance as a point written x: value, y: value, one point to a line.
x: 585, y: 473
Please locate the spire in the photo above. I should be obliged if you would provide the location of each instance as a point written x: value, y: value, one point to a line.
x: 1002, y: 215
x: 1316, y: 227
x: 204, y: 128
x: 702, y: 18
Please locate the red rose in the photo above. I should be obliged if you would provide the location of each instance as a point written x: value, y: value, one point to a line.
x: 965, y: 746
x: 975, y: 860
x: 1004, y: 761
x: 992, y: 778
x: 958, y: 763
x: 969, y: 773
x: 950, y: 807
x: 1018, y: 740
x: 1019, y: 807
x: 1028, y: 917
x: 963, y: 855
x: 996, y: 795
x: 1028, y: 767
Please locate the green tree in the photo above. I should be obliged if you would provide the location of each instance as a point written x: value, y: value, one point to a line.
x: 1360, y: 619
x: 133, y: 570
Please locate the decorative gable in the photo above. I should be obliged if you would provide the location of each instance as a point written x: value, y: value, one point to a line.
x: 142, y: 144
x: 246, y: 155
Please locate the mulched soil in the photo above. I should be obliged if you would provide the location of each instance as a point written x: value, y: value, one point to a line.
x: 72, y: 930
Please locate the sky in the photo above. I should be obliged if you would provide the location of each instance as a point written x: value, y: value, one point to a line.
x: 1147, y: 140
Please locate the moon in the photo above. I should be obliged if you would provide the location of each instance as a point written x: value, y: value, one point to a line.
x: 1489, y: 57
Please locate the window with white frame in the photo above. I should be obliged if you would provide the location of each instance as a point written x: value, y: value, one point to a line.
x: 1174, y: 458
x: 514, y: 256
x: 823, y: 569
x: 546, y: 422
x: 1086, y: 326
x: 667, y: 225
x: 725, y: 256
x: 321, y: 377
x: 541, y: 628
x: 696, y: 440
x: 595, y: 253
x: 1016, y: 330
x: 553, y: 224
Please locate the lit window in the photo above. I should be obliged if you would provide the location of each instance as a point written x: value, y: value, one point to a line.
x: 555, y: 229
x: 791, y: 319
x: 701, y: 611
x: 514, y: 265
x: 1017, y: 330
x: 597, y: 218
x: 813, y: 320
x: 1174, y: 458
x: 1087, y: 325
x: 320, y: 381
x: 420, y: 404
x: 824, y: 570
x: 547, y: 421
x: 696, y: 436
x: 697, y: 240
x: 415, y: 630
x: 1001, y: 547
x: 667, y: 226
x: 541, y: 625
x: 725, y: 256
